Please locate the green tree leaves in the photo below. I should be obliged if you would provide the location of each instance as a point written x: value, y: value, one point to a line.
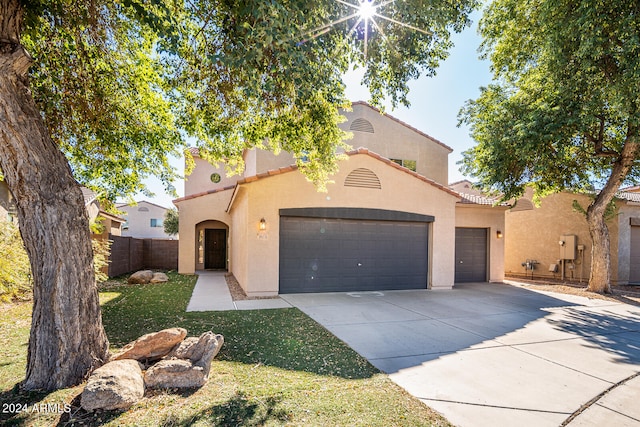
x: 122, y: 84
x: 565, y: 101
x: 171, y: 222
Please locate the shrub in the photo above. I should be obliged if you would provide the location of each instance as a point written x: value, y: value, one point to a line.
x: 101, y: 252
x: 15, y: 270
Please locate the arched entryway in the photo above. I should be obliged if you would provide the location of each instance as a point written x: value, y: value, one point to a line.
x: 212, y: 245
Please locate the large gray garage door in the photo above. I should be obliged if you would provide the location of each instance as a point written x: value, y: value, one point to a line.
x: 471, y: 255
x: 357, y: 253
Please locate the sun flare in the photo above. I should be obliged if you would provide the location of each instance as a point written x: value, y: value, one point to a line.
x: 367, y: 9
x: 365, y: 13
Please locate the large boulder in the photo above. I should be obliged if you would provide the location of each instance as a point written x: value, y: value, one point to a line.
x: 187, y: 349
x: 211, y: 344
x: 188, y: 364
x: 159, y: 278
x: 175, y: 373
x: 141, y: 277
x: 116, y: 385
x: 152, y: 346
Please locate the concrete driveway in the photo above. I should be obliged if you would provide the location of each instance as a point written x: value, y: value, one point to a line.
x: 495, y: 354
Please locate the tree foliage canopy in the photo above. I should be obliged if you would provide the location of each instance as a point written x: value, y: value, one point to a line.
x: 566, y: 97
x: 122, y: 83
x: 171, y: 222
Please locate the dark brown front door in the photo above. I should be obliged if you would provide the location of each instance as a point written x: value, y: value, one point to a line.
x: 215, y: 253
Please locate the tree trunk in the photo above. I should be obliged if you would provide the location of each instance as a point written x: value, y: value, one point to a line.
x: 67, y: 339
x: 600, y: 277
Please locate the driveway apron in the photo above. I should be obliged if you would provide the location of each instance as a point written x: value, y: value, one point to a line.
x: 493, y: 354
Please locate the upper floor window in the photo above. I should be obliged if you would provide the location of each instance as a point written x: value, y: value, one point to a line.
x: 409, y: 164
x: 143, y: 209
x: 156, y: 222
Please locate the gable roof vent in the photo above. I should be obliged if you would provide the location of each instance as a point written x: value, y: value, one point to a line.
x: 363, y: 178
x: 361, y: 125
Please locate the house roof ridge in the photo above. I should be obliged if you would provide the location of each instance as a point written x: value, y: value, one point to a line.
x: 204, y: 193
x: 362, y: 150
x: 285, y: 169
x: 142, y: 201
x: 403, y: 123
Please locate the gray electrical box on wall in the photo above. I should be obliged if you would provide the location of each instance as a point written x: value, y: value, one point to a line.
x: 568, y: 247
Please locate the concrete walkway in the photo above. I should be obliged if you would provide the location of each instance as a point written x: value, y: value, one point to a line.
x: 211, y: 293
x: 494, y: 354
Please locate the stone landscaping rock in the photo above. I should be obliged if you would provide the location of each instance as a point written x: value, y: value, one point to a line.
x: 188, y: 365
x: 159, y: 278
x: 187, y: 349
x: 141, y: 277
x: 152, y: 346
x: 175, y: 373
x: 211, y: 345
x: 185, y: 363
x: 116, y: 385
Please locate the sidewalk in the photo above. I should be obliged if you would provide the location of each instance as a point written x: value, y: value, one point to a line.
x: 211, y: 293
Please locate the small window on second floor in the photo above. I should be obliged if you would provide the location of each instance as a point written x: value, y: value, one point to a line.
x: 156, y: 222
x: 143, y: 209
x: 409, y: 164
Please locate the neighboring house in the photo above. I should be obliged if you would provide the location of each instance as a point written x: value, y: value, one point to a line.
x: 387, y: 221
x: 7, y: 205
x: 145, y: 220
x: 111, y: 224
x: 552, y: 240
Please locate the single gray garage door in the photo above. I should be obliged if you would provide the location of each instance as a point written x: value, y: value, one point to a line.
x: 471, y: 255
x: 357, y: 252
x: 634, y: 265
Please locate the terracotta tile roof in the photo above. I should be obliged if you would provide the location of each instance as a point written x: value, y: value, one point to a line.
x: 204, y: 193
x: 377, y: 156
x: 292, y: 168
x: 407, y: 125
x: 629, y: 197
x: 473, y: 199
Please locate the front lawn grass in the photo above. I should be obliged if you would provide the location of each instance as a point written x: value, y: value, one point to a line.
x: 277, y: 367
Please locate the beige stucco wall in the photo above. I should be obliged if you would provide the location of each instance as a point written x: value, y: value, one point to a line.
x: 400, y: 191
x: 200, y: 179
x: 492, y: 218
x: 393, y: 140
x: 196, y: 211
x: 242, y: 235
x: 266, y: 160
x: 535, y: 233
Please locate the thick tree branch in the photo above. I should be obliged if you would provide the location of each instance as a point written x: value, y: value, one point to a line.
x: 597, y: 141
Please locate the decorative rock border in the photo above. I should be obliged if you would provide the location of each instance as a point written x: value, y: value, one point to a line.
x: 173, y: 361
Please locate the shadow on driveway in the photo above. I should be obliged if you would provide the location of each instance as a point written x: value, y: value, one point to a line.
x: 488, y: 354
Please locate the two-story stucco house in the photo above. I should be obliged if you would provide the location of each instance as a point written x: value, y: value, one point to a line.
x: 145, y: 220
x: 388, y: 220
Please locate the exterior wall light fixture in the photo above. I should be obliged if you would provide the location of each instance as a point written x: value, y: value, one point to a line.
x: 499, y: 234
x: 263, y: 224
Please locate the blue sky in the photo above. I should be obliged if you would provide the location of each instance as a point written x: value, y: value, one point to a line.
x: 435, y: 103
